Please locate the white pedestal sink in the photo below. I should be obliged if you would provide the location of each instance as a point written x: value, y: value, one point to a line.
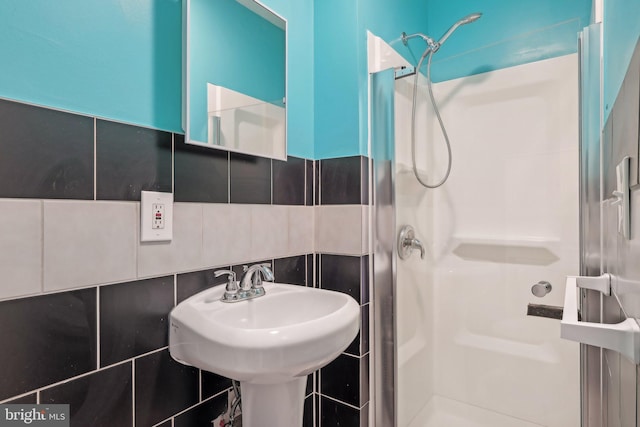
x: 270, y: 344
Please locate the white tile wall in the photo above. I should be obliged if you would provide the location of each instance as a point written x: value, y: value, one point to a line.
x: 269, y: 233
x: 342, y: 229
x: 20, y: 247
x: 87, y: 243
x: 301, y: 229
x: 226, y: 233
x: 52, y: 245
x: 184, y: 252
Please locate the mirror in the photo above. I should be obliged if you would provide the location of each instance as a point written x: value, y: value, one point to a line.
x: 235, y: 77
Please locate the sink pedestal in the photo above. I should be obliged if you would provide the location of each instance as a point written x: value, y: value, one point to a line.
x: 273, y: 404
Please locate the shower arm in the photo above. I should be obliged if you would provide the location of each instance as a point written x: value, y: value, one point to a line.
x: 432, y: 45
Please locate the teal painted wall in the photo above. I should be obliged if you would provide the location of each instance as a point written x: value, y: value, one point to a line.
x: 621, y: 28
x: 336, y: 73
x: 509, y: 33
x: 251, y: 61
x: 300, y: 74
x: 114, y: 59
x: 121, y: 59
x: 341, y: 79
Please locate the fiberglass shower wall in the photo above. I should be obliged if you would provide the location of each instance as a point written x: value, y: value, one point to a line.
x: 467, y: 354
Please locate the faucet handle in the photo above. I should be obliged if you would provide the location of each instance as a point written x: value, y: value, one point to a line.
x: 231, y: 290
x: 407, y: 242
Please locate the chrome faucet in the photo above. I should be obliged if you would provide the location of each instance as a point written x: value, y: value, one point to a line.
x: 250, y: 285
x: 253, y: 276
x: 407, y: 242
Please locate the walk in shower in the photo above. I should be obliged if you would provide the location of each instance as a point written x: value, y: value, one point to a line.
x: 454, y: 345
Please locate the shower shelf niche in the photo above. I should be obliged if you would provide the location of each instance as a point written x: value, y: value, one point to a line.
x: 522, y: 250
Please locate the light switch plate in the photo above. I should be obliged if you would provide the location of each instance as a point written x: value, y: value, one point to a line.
x: 156, y: 216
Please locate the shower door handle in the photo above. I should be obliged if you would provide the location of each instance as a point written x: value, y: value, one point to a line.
x: 623, y: 337
x: 407, y: 242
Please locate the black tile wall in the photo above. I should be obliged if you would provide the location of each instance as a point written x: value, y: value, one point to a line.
x: 310, y: 271
x: 47, y: 339
x: 250, y: 179
x: 213, y: 384
x: 344, y: 181
x: 291, y: 270
x: 344, y: 383
x: 190, y: 284
x: 360, y: 344
x: 46, y: 154
x: 340, y: 379
x: 49, y: 154
x: 310, y: 174
x: 203, y: 414
x: 163, y: 388
x: 344, y: 273
x: 130, y: 159
x: 134, y: 318
x: 101, y: 399
x: 289, y: 181
x: 307, y: 420
x: 201, y: 174
x: 311, y: 384
x: 337, y: 414
x: 317, y: 408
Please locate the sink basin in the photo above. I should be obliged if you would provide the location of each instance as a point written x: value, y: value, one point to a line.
x: 270, y: 344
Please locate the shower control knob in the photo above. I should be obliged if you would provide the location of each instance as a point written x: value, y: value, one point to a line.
x: 407, y: 242
x: 541, y: 288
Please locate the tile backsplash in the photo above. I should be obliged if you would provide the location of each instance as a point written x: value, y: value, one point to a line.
x: 84, y: 305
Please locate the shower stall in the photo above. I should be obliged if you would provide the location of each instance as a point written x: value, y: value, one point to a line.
x: 454, y: 345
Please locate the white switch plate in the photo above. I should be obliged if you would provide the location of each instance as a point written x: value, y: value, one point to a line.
x: 156, y: 216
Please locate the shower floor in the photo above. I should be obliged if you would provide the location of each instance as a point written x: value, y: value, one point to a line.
x: 443, y: 412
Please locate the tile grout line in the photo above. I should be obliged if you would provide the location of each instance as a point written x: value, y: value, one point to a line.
x: 340, y: 401
x: 97, y: 328
x: 173, y: 164
x: 133, y: 393
x: 228, y: 177
x: 319, y: 186
x: 85, y: 374
x: 175, y: 290
x: 177, y: 414
x: 95, y: 158
x: 319, y: 397
x: 42, y: 247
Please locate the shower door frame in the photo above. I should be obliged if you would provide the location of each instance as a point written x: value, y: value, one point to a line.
x: 382, y: 147
x: 383, y: 242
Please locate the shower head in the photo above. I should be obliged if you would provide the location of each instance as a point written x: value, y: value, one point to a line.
x: 466, y: 20
x: 470, y: 18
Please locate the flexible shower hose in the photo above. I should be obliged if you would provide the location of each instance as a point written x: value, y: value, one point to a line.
x: 429, y: 51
